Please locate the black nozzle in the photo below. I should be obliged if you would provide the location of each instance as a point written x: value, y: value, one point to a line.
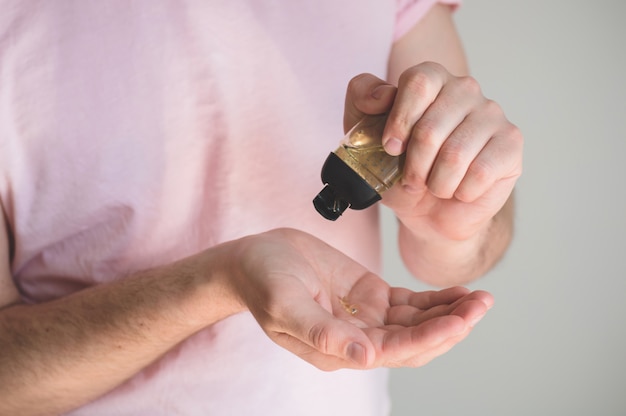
x: 329, y: 205
x: 344, y: 188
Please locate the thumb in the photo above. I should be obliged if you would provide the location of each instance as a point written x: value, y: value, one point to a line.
x: 316, y: 327
x: 366, y: 94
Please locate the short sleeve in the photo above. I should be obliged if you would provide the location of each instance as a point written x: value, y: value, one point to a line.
x: 409, y: 12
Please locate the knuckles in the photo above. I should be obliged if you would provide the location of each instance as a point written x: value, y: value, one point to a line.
x: 468, y: 84
x: 492, y: 109
x: 426, y: 81
x: 418, y: 83
x: 426, y: 132
x: 318, y: 335
x: 452, y: 153
x: 427, y: 78
x: 423, y: 80
x: 514, y: 136
x: 482, y: 171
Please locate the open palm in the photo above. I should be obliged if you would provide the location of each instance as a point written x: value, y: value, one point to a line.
x: 331, y: 311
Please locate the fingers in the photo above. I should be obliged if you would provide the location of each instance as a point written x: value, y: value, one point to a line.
x: 314, y: 334
x: 498, y: 161
x: 439, y: 346
x: 320, y: 360
x: 426, y: 299
x: 442, y: 158
x: 413, y: 336
x: 366, y: 94
x: 471, y: 310
x: 418, y: 87
x: 420, y: 307
x: 398, y: 346
x: 458, y: 144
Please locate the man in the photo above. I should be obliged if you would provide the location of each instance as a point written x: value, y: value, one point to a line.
x: 158, y: 161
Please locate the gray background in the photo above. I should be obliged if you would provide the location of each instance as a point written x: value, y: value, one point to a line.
x: 555, y: 341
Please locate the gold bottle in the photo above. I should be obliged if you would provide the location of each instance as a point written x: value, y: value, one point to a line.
x: 358, y: 171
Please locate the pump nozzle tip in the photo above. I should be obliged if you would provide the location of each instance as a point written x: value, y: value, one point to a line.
x: 329, y: 205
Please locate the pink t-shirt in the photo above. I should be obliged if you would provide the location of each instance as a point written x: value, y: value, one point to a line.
x: 133, y: 134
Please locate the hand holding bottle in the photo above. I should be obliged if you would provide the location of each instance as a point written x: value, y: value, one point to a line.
x: 463, y: 157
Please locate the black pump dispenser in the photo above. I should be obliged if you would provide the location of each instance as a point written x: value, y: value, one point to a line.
x: 344, y: 188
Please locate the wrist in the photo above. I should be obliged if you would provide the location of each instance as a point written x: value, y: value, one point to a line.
x: 440, y: 260
x: 211, y: 285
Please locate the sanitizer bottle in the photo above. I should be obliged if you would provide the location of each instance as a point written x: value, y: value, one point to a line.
x: 359, y: 171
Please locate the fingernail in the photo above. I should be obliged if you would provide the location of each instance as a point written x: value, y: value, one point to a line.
x: 356, y: 353
x: 393, y: 146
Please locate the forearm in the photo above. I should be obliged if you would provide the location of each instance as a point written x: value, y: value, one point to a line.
x: 61, y: 354
x: 442, y: 261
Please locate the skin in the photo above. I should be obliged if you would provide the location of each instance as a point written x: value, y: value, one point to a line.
x: 463, y: 157
x: 61, y: 354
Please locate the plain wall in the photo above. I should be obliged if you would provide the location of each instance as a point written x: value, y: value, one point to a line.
x: 555, y: 342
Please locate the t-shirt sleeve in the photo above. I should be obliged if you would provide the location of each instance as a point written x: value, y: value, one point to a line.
x: 409, y: 12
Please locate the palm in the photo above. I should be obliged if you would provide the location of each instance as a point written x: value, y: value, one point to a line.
x: 316, y: 302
